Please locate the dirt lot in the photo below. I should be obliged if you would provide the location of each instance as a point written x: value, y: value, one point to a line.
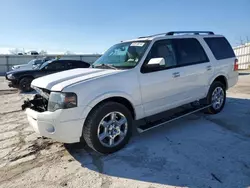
x: 198, y: 151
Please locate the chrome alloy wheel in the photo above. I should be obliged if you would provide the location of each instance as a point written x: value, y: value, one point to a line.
x: 218, y: 98
x: 112, y: 129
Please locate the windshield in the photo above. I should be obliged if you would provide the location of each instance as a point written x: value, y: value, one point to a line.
x: 123, y: 55
x: 41, y: 65
x: 31, y: 62
x: 37, y: 62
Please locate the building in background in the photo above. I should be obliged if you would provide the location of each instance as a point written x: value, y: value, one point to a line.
x: 243, y: 54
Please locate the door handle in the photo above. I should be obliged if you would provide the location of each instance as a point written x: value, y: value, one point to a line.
x: 209, y: 67
x: 176, y: 74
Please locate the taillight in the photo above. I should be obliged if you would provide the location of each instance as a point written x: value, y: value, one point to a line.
x: 235, y: 64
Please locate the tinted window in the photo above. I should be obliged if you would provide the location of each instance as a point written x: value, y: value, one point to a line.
x: 77, y: 64
x: 82, y: 64
x: 71, y: 64
x: 56, y: 65
x: 165, y: 50
x: 220, y: 47
x: 189, y: 51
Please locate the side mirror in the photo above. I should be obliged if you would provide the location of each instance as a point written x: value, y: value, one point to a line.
x: 154, y: 62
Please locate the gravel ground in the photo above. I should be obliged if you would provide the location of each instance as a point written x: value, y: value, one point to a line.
x: 197, y: 151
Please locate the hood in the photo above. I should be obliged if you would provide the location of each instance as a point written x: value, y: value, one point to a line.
x: 60, y: 80
x: 21, y: 67
x: 18, y: 66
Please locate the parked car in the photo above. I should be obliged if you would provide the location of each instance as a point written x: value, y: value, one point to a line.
x: 133, y: 80
x: 22, y: 79
x: 32, y: 53
x: 31, y: 64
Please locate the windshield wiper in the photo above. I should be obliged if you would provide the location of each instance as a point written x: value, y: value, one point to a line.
x: 105, y: 65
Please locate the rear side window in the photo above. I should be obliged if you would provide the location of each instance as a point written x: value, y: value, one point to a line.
x: 189, y: 51
x: 70, y: 64
x: 220, y: 47
x: 80, y: 64
x: 76, y: 64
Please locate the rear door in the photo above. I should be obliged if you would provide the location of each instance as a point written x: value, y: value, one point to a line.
x: 195, y: 68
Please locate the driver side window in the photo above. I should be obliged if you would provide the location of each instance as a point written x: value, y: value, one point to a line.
x: 55, y: 66
x: 162, y: 49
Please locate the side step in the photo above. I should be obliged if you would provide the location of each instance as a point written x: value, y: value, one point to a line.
x: 178, y: 115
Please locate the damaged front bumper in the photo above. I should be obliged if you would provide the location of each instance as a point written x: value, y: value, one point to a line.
x: 63, y: 125
x: 38, y: 103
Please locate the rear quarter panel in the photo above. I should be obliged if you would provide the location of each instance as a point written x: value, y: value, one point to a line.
x: 224, y: 67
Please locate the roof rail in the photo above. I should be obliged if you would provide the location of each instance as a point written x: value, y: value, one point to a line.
x: 152, y: 35
x: 194, y: 32
x: 180, y: 32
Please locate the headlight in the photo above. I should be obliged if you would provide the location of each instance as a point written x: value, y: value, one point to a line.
x: 10, y: 76
x: 59, y: 100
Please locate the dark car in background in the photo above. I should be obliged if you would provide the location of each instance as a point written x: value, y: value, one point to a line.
x: 23, y: 78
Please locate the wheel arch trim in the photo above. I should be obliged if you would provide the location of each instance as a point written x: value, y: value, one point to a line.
x: 225, y: 77
x: 109, y: 95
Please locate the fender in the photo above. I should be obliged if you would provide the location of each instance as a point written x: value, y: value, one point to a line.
x: 138, y: 110
x: 26, y: 75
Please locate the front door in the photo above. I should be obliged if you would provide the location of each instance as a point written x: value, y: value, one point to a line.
x: 53, y: 67
x: 162, y: 88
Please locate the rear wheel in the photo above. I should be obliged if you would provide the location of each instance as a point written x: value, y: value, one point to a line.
x: 216, y: 97
x: 108, y: 127
x: 24, y: 84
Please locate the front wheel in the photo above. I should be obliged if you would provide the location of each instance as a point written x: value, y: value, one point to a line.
x: 108, y: 127
x: 24, y: 84
x: 216, y: 97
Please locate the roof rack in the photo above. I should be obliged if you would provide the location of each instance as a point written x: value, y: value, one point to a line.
x: 180, y: 32
x: 194, y: 32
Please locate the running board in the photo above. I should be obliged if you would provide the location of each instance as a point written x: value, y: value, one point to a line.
x: 157, y: 123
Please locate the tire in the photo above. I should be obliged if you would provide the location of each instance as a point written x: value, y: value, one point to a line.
x: 220, y: 89
x: 24, y: 84
x: 94, y: 131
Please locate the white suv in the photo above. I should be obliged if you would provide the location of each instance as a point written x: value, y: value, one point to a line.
x: 133, y: 80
